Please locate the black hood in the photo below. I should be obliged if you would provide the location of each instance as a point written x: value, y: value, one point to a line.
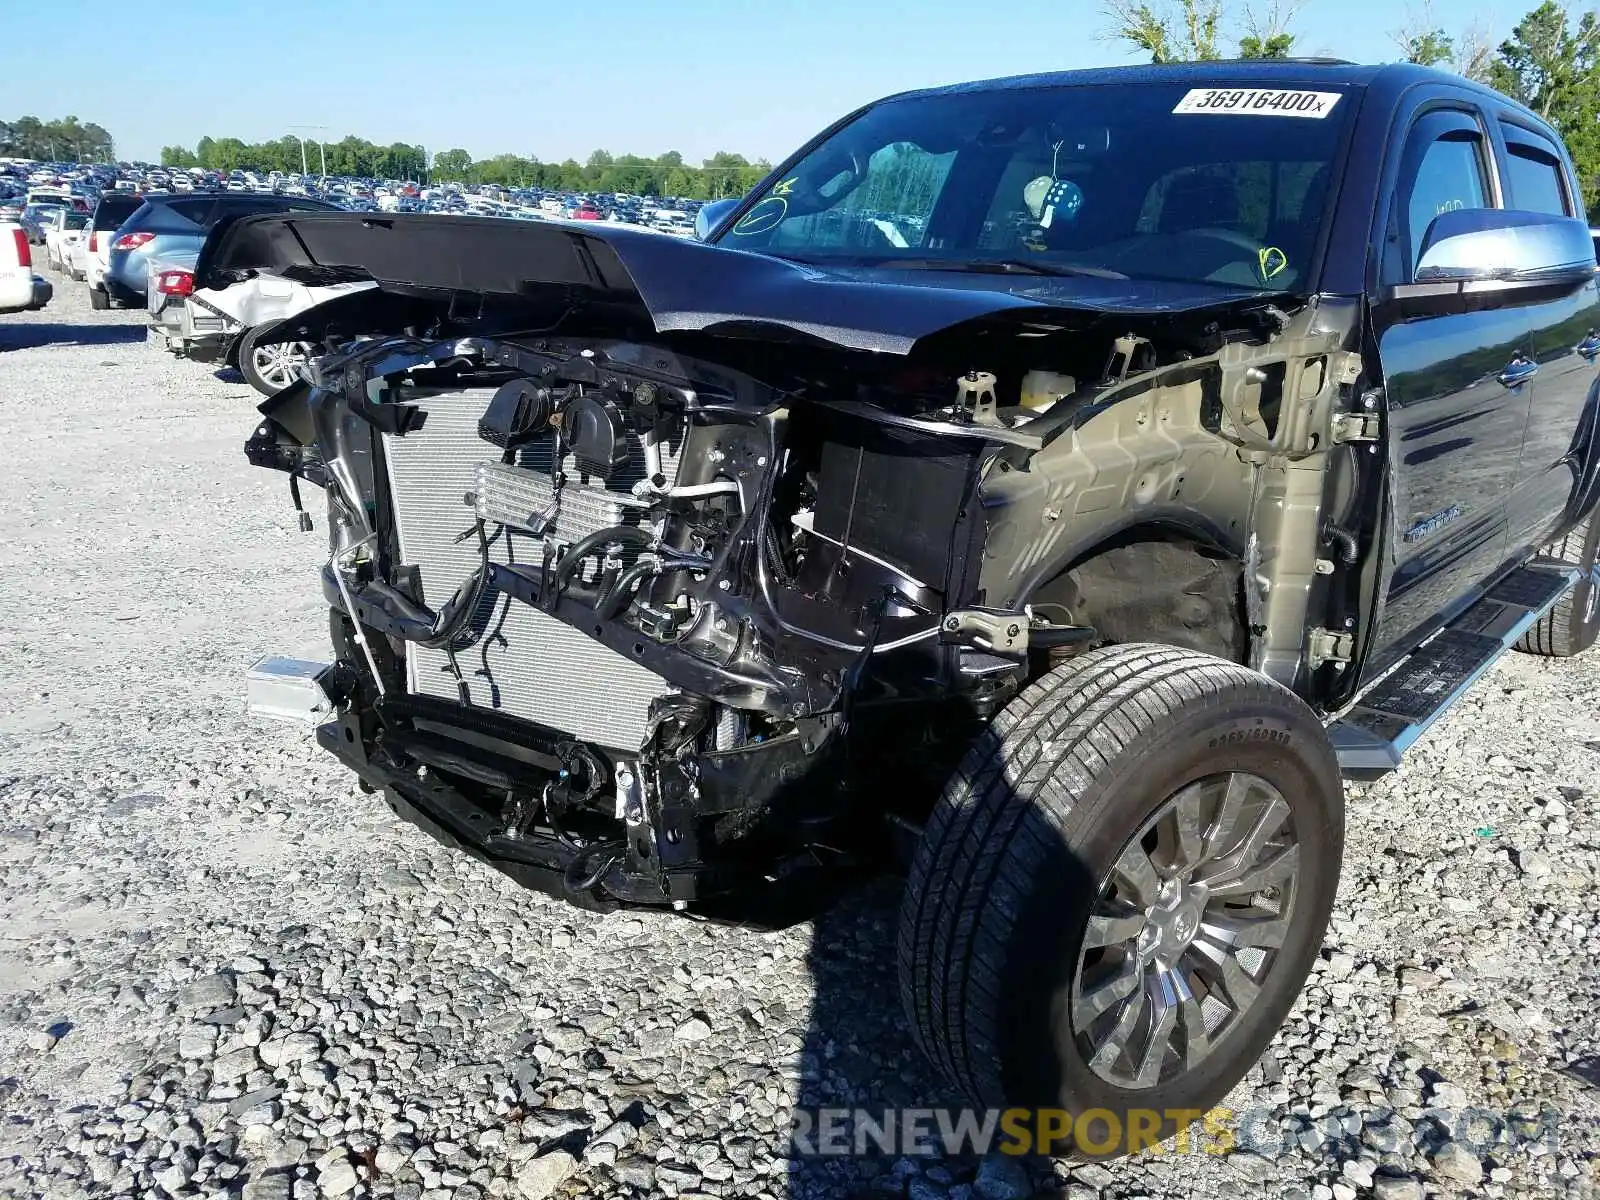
x: 677, y: 284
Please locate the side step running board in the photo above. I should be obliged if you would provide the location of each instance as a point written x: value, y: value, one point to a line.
x: 1395, y: 710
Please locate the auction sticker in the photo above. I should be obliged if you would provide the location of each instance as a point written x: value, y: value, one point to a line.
x: 1258, y: 102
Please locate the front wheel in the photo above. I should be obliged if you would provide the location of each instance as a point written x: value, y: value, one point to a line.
x: 1122, y: 890
x: 271, y: 366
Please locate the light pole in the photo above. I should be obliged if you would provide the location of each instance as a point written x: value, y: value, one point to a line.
x: 320, y: 147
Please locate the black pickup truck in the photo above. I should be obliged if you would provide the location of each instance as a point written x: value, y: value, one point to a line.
x: 1050, y: 486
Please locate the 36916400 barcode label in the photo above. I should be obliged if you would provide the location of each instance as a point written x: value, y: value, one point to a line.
x: 1258, y: 102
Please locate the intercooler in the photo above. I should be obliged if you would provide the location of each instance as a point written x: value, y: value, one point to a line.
x: 521, y: 661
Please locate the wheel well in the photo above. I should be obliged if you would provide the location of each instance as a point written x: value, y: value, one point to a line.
x: 1157, y: 586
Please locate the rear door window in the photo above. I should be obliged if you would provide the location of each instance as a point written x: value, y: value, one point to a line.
x: 182, y: 215
x: 1535, y: 178
x: 111, y: 212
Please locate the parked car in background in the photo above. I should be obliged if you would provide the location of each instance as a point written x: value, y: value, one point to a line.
x: 75, y: 256
x: 35, y: 217
x: 229, y: 324
x: 50, y: 195
x: 164, y: 226
x: 670, y: 220
x: 65, y: 228
x: 20, y: 289
x: 114, y: 208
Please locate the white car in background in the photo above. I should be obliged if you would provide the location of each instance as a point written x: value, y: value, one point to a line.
x: 20, y: 289
x: 113, y: 209
x: 64, y: 230
x: 232, y: 325
x: 75, y: 256
x: 670, y: 220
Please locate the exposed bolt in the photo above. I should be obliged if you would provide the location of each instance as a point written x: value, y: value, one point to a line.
x: 762, y: 461
x: 722, y: 585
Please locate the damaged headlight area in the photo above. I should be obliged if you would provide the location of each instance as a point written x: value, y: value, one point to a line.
x: 634, y: 626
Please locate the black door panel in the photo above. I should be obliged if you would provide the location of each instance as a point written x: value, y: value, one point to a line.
x: 1564, y: 339
x: 1455, y: 432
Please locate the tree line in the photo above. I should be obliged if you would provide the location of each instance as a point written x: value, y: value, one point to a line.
x: 723, y: 174
x: 348, y: 156
x: 65, y: 139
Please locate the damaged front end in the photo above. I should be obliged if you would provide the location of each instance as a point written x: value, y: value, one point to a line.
x: 662, y: 604
x: 627, y: 622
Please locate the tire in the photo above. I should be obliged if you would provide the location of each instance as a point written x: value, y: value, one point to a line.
x: 1020, y: 850
x: 98, y: 299
x: 264, y: 369
x: 1573, y: 624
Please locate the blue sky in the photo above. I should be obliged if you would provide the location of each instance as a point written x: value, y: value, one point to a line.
x: 560, y: 79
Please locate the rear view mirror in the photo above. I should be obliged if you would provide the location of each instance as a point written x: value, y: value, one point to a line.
x: 1504, y: 247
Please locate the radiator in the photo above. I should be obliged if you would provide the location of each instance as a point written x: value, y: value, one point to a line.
x: 522, y: 661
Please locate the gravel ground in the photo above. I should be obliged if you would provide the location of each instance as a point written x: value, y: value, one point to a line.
x: 224, y: 970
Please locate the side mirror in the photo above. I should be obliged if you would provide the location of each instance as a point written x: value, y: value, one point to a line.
x: 1501, y: 247
x: 711, y: 215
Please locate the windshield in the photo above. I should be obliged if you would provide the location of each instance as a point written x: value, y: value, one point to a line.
x: 1149, y: 181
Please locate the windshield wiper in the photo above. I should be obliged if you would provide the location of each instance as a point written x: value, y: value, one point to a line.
x: 998, y: 266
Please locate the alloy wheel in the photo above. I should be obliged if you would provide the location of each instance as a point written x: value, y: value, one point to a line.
x: 1185, y: 929
x: 281, y: 363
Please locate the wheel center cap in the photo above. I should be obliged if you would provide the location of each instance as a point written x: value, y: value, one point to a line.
x: 1172, y: 922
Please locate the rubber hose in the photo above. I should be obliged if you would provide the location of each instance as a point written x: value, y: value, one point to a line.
x: 581, y: 550
x: 614, y: 601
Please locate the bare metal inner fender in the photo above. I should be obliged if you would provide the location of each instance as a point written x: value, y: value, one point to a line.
x: 1229, y: 452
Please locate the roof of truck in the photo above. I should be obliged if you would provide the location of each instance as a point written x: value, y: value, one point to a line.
x: 1302, y: 71
x: 1385, y: 80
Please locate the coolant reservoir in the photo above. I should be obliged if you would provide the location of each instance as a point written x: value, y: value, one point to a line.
x: 1041, y: 389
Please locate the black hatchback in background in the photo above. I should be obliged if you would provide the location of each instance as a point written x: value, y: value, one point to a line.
x: 165, y: 225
